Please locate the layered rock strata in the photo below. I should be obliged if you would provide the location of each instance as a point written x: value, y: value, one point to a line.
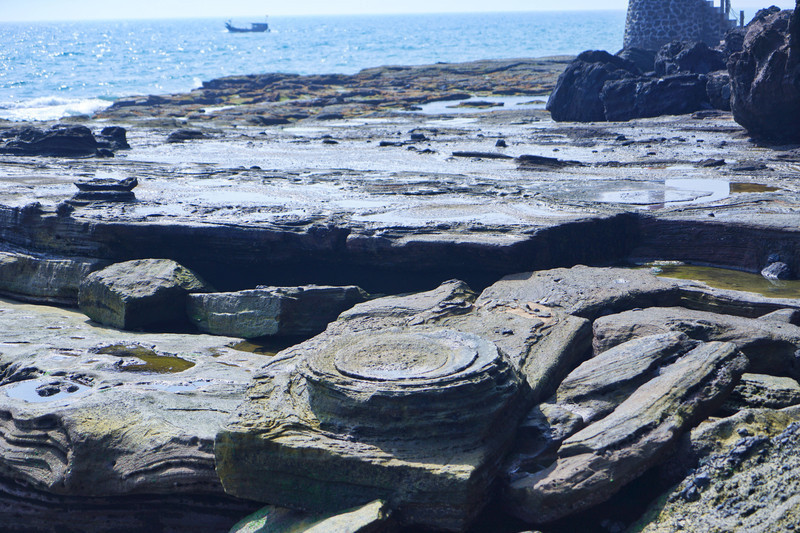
x: 412, y: 399
x: 138, y: 294
x: 266, y: 311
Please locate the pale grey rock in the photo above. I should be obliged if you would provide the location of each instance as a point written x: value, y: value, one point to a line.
x: 93, y: 412
x: 790, y: 316
x: 305, y: 310
x: 772, y: 347
x: 412, y: 399
x: 144, y: 293
x: 598, y: 460
x: 373, y: 517
x: 44, y: 279
x: 584, y: 291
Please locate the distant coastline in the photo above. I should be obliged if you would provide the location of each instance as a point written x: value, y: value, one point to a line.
x: 80, y: 67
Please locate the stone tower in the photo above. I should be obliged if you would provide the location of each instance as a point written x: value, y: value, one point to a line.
x: 653, y: 23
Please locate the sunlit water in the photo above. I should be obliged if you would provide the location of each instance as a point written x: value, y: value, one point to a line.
x: 50, y: 70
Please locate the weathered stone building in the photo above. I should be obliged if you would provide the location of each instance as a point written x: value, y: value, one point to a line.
x: 653, y: 23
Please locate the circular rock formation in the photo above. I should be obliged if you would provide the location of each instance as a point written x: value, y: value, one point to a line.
x: 366, y: 414
x: 429, y: 384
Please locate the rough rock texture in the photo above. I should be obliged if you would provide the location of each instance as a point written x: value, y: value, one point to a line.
x: 748, y: 478
x: 382, y: 401
x: 43, y: 279
x: 777, y: 270
x: 271, y: 310
x: 597, y: 461
x: 139, y: 294
x: 58, y: 141
x: 763, y: 391
x: 770, y: 346
x: 765, y: 78
x: 95, y: 421
x: 373, y: 517
x: 718, y: 90
x: 577, y: 93
x: 643, y: 59
x: 676, y: 94
x: 588, y: 393
x: 687, y: 57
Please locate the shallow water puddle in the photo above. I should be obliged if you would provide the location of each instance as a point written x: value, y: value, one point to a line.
x: 268, y: 346
x: 151, y: 362
x: 722, y: 278
x: 45, y: 390
x: 681, y: 191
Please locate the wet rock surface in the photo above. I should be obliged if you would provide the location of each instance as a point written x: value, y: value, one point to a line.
x: 61, y: 141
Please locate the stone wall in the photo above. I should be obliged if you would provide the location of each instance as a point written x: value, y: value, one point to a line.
x: 653, y: 23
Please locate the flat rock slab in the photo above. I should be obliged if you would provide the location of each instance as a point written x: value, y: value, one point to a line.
x: 267, y: 311
x: 44, y: 279
x: 771, y: 346
x: 597, y: 461
x: 96, y: 412
x: 415, y: 406
x: 373, y: 517
x: 588, y: 292
x: 139, y: 294
x: 763, y: 391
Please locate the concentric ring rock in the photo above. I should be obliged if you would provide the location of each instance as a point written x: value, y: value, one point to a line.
x: 417, y: 416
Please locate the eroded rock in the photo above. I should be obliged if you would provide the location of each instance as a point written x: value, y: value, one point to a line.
x: 139, y: 294
x: 597, y: 461
x: 763, y: 391
x: 770, y: 346
x: 765, y: 78
x: 379, y: 404
x: 44, y: 279
x: 266, y: 311
x: 747, y: 478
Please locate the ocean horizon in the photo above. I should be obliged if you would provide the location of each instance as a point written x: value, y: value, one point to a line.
x: 52, y: 70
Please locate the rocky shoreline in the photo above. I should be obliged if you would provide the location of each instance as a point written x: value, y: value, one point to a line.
x: 443, y: 331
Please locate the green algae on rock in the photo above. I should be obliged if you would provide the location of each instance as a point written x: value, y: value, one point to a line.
x: 144, y: 293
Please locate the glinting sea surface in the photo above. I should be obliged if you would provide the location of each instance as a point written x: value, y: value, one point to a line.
x: 56, y: 69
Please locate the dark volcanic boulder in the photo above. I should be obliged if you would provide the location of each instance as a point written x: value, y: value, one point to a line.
x: 678, y: 94
x: 183, y: 134
x: 58, y: 141
x: 692, y: 56
x: 765, y: 78
x: 643, y: 59
x: 718, y: 90
x: 113, y: 138
x: 577, y: 93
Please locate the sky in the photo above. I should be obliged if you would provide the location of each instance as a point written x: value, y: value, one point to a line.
x: 30, y: 10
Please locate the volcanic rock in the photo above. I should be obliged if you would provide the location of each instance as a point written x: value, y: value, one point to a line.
x: 643, y: 59
x: 747, y: 479
x: 184, y: 134
x: 676, y: 94
x: 271, y: 310
x: 58, y: 141
x: 687, y: 57
x: 144, y: 293
x: 765, y: 78
x: 777, y: 270
x: 113, y: 138
x: 576, y: 96
x: 718, y: 90
x: 597, y: 461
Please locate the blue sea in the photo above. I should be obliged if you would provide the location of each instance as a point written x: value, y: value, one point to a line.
x: 57, y: 69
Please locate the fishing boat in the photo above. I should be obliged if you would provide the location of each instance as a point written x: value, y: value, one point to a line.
x: 255, y: 27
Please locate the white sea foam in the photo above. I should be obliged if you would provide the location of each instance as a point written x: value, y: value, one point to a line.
x: 51, y: 108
